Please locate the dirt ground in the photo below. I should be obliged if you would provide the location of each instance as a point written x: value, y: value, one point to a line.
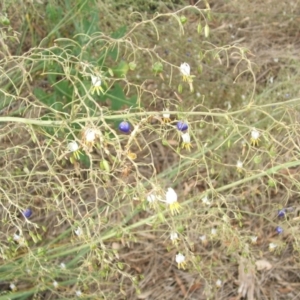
x: 270, y: 30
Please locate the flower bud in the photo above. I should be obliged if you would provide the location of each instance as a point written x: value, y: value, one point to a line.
x: 124, y: 126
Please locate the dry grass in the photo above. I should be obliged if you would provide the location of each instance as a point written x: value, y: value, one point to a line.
x: 125, y: 251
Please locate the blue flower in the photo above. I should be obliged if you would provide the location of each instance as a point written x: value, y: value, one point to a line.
x: 281, y: 213
x: 27, y: 213
x: 279, y: 229
x: 124, y: 126
x: 182, y: 126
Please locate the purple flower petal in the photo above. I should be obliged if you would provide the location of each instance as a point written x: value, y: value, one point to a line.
x: 182, y: 126
x: 281, y: 213
x: 124, y: 126
x: 27, y: 213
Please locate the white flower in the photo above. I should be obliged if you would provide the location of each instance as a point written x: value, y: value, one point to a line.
x: 186, y: 141
x: 173, y: 236
x: 203, y: 238
x: 62, y: 266
x: 78, y: 293
x: 255, y: 134
x: 90, y: 135
x: 78, y: 231
x: 213, y: 231
x: 253, y: 239
x: 151, y: 198
x: 171, y: 200
x: 13, y: 287
x: 166, y: 116
x: 171, y: 196
x: 228, y: 103
x: 272, y: 247
x: 180, y: 260
x: 185, y: 69
x: 206, y: 201
x: 55, y: 284
x: 254, y: 137
x: 73, y: 146
x: 186, y: 138
x: 239, y: 164
x: 166, y: 113
x: 17, y: 237
x: 96, y: 81
x: 219, y: 283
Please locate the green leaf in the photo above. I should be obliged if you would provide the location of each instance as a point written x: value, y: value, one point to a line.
x: 45, y: 98
x: 118, y: 98
x: 53, y: 13
x: 49, y: 129
x: 64, y: 91
x: 90, y: 24
x: 85, y: 160
x: 113, y: 53
x: 119, y: 33
x: 6, y: 100
x: 121, y: 70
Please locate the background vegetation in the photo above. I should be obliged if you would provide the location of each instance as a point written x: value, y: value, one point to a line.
x: 94, y: 223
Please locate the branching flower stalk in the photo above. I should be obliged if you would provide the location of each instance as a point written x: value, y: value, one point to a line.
x: 71, y: 221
